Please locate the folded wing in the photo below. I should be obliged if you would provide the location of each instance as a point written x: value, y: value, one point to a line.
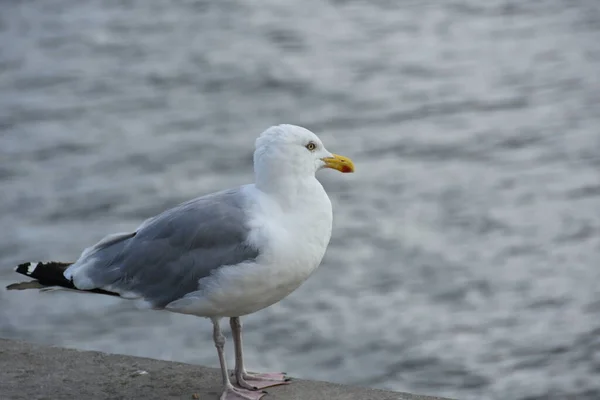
x: 167, y: 255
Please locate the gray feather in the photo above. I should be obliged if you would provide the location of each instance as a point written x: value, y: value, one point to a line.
x: 164, y: 259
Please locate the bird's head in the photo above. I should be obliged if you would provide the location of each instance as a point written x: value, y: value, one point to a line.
x: 295, y: 150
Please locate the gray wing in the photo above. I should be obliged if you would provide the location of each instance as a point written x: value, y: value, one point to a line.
x: 164, y: 259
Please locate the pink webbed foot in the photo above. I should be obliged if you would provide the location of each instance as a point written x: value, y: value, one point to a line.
x: 234, y: 393
x: 260, y: 381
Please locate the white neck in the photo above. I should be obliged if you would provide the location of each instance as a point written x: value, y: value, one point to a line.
x: 287, y: 190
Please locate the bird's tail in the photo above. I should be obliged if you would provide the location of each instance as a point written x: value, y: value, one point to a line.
x: 48, y: 276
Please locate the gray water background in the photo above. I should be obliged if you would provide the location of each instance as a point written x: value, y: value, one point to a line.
x: 465, y: 254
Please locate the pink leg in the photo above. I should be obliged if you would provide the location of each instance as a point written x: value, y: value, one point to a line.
x: 230, y: 392
x: 233, y: 393
x: 247, y: 380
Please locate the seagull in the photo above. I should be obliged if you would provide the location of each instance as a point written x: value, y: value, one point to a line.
x: 223, y: 255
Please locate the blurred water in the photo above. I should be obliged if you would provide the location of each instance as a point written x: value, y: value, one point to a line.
x: 464, y: 259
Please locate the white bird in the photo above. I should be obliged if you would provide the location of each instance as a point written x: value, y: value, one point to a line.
x: 226, y: 254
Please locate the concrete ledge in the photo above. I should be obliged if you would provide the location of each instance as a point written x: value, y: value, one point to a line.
x: 30, y: 371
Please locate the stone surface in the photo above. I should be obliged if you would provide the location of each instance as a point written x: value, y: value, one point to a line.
x: 31, y: 371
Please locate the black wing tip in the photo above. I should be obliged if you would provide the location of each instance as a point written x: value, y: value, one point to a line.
x: 27, y: 268
x: 34, y: 269
x: 48, y: 274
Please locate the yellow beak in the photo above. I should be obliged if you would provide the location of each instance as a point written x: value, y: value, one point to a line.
x: 341, y: 163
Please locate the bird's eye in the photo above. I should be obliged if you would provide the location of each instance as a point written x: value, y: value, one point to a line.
x: 311, y: 146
